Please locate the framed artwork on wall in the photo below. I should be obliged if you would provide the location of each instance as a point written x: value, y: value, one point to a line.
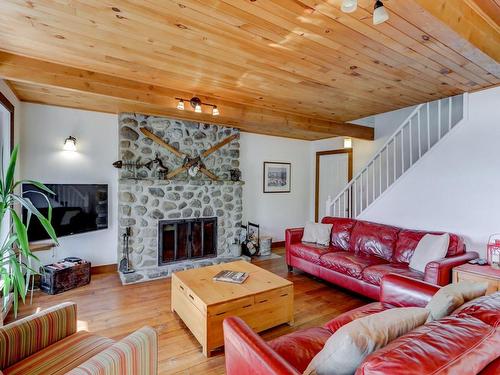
x: 277, y: 177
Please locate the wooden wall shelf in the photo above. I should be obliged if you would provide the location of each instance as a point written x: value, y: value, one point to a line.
x: 42, y: 246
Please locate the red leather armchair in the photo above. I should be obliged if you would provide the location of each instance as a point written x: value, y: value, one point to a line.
x: 466, y: 342
x: 361, y: 253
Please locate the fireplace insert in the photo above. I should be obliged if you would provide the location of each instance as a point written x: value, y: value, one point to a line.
x: 186, y: 239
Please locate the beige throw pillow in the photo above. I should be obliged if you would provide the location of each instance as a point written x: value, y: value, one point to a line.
x: 431, y: 247
x: 317, y: 233
x: 452, y: 296
x: 346, y: 349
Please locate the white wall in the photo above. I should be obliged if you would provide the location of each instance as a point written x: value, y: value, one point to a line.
x: 43, y: 132
x: 455, y: 186
x: 275, y: 211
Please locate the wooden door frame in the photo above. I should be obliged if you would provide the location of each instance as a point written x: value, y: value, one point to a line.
x: 10, y: 108
x: 319, y: 154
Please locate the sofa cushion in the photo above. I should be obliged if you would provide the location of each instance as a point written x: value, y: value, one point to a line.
x: 486, y: 308
x: 409, y: 239
x: 452, y: 345
x: 360, y: 312
x: 61, y: 356
x: 374, y: 239
x: 349, y: 263
x: 300, y: 347
x: 341, y: 231
x: 374, y: 274
x: 310, y: 251
x: 346, y: 349
x: 450, y: 297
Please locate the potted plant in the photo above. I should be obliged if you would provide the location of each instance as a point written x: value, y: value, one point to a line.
x: 15, y: 250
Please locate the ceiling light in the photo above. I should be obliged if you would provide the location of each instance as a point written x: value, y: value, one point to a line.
x: 70, y: 144
x: 347, y: 142
x: 197, y: 108
x: 349, y: 6
x: 180, y: 105
x: 380, y: 14
x: 215, y: 111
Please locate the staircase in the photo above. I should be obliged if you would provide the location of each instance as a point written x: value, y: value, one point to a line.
x: 425, y: 127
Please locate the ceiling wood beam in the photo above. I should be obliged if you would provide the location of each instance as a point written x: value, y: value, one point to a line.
x: 470, y: 21
x: 132, y: 96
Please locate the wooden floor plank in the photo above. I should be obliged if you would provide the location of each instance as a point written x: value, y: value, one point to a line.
x: 107, y: 308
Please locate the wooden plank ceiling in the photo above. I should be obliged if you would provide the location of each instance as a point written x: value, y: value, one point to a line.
x: 293, y: 68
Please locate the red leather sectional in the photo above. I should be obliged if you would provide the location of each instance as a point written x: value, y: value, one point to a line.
x: 361, y: 253
x: 466, y: 342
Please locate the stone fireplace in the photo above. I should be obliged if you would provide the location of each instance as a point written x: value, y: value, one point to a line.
x: 146, y: 202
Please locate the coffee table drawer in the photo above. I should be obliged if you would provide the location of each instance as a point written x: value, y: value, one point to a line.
x: 231, y: 306
x: 188, y: 293
x: 281, y: 294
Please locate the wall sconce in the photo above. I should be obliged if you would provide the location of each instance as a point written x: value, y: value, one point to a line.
x: 196, y: 104
x: 70, y: 144
x: 347, y: 142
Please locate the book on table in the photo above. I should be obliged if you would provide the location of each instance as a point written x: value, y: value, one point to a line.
x: 231, y: 276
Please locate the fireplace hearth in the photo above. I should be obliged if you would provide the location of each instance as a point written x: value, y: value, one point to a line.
x: 186, y: 239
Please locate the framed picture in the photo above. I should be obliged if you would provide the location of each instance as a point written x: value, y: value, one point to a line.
x: 277, y: 177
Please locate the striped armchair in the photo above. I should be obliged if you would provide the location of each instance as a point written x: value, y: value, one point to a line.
x: 47, y: 343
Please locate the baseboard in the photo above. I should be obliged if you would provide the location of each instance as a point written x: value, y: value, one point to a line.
x: 105, y: 268
x: 277, y: 244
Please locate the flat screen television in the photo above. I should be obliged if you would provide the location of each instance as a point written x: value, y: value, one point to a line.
x: 75, y: 209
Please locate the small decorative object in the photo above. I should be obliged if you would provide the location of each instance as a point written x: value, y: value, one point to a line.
x: 235, y: 174
x: 277, y: 177
x: 493, y: 251
x: 235, y: 249
x: 70, y: 144
x: 161, y: 170
x: 250, y: 246
x: 265, y: 245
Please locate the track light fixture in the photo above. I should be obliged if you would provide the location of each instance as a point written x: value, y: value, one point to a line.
x: 380, y: 14
x: 197, y: 105
x: 349, y: 6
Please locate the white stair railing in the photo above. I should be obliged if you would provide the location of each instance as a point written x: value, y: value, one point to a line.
x: 426, y: 125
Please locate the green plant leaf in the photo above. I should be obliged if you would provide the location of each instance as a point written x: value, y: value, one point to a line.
x: 9, y: 176
x: 37, y: 184
x: 22, y: 234
x: 26, y: 203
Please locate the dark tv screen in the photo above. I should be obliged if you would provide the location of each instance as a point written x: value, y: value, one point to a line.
x: 75, y: 209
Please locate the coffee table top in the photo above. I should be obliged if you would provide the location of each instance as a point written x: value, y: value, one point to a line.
x: 211, y: 292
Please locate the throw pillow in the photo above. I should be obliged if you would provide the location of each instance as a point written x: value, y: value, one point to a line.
x: 430, y: 247
x: 452, y: 296
x: 346, y: 349
x: 317, y: 233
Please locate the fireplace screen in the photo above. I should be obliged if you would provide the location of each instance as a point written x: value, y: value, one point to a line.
x: 186, y: 239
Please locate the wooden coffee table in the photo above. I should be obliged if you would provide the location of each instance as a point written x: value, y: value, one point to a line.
x: 263, y: 301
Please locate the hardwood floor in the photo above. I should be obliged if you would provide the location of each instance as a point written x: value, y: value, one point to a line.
x: 110, y: 309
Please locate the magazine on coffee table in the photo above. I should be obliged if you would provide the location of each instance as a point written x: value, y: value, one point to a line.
x: 231, y: 276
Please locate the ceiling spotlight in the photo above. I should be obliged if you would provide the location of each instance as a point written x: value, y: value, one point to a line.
x: 180, y: 105
x: 196, y: 104
x: 349, y: 6
x: 215, y: 111
x: 380, y: 14
x: 70, y: 144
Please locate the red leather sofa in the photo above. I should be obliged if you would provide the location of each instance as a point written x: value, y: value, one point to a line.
x: 361, y: 253
x: 466, y: 342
